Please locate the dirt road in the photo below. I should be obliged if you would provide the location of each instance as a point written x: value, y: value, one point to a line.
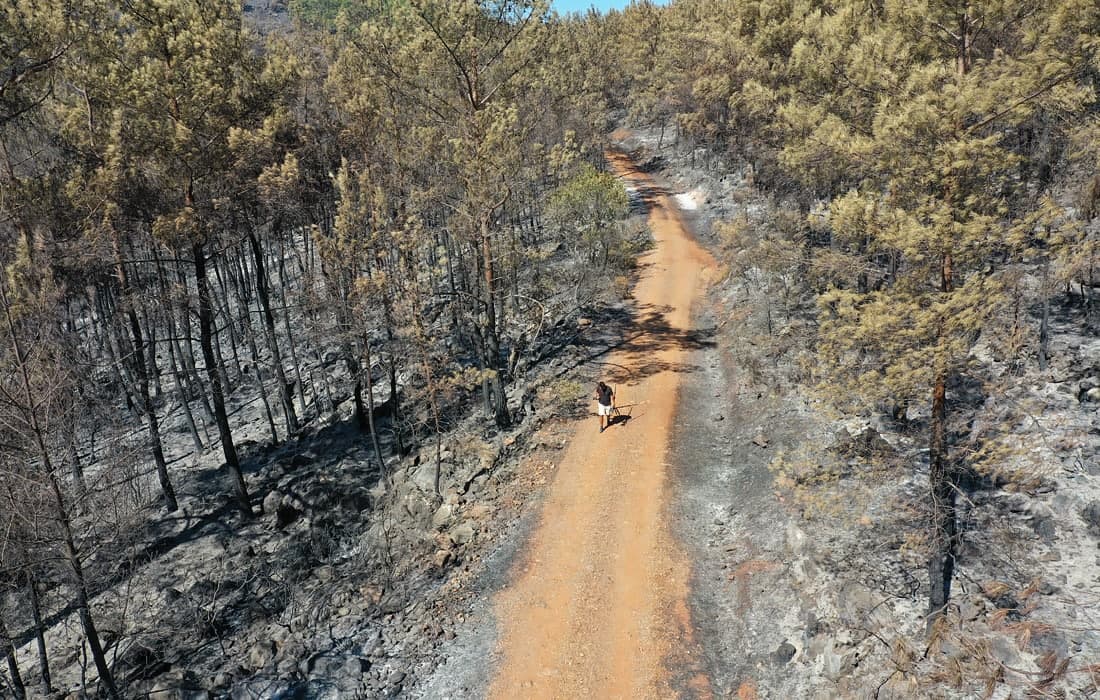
x: 599, y: 607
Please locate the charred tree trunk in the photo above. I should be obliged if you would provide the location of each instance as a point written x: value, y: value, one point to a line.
x: 944, y: 528
x: 181, y: 390
x: 76, y: 469
x: 261, y: 388
x: 492, y: 333
x: 230, y: 326
x: 206, y: 340
x: 272, y: 339
x: 941, y: 563
x: 370, y: 406
x: 1044, y: 320
x: 137, y: 354
x: 39, y: 633
x: 19, y: 691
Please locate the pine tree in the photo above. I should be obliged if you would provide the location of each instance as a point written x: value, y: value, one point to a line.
x: 923, y: 142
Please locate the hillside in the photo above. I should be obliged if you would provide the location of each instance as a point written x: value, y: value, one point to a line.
x: 303, y: 305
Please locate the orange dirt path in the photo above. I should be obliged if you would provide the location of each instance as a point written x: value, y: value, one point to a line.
x: 598, y: 607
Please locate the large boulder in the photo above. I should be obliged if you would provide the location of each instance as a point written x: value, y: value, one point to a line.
x: 423, y: 477
x: 272, y: 501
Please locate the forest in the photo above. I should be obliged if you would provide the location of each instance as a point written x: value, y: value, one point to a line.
x: 228, y: 227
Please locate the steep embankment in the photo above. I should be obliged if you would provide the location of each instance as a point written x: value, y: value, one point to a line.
x: 599, y: 605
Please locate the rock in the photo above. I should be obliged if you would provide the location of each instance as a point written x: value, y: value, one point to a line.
x: 1004, y: 650
x: 424, y: 477
x: 854, y: 603
x: 1091, y: 515
x: 142, y: 662
x: 441, y: 558
x: 479, y: 512
x: 462, y: 533
x: 334, y: 666
x: 1087, y: 390
x: 761, y: 440
x: 834, y: 665
x: 378, y: 491
x: 287, y: 667
x: 272, y: 501
x: 898, y: 687
x: 970, y: 609
x: 442, y: 516
x: 260, y: 655
x: 718, y: 418
x: 395, y: 679
x: 356, y: 666
x: 418, y: 506
x: 285, y: 514
x: 796, y: 539
x: 302, y: 459
x: 784, y: 653
x: 268, y: 688
x: 1044, y: 527
x: 477, y: 484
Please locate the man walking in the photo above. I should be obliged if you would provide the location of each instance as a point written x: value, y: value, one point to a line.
x: 605, y: 400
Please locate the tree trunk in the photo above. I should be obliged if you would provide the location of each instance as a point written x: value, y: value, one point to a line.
x: 190, y: 373
x: 188, y: 357
x: 219, y: 357
x: 370, y: 406
x: 166, y: 489
x: 272, y: 338
x: 492, y: 332
x: 76, y: 469
x: 941, y: 563
x: 261, y: 388
x: 229, y: 450
x: 151, y: 361
x: 291, y: 345
x: 351, y: 361
x: 19, y: 691
x: 1044, y: 322
x: 230, y: 326
x: 177, y: 379
x: 137, y: 354
x: 39, y: 634
x: 394, y: 397
x: 941, y: 560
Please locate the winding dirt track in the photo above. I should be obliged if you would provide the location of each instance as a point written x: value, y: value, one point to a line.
x: 599, y: 608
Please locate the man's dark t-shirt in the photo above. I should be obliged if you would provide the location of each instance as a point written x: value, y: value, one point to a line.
x: 604, y: 393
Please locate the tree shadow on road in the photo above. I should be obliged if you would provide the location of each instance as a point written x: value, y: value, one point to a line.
x: 649, y: 336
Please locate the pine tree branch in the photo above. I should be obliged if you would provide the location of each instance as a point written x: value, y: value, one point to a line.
x: 1024, y: 100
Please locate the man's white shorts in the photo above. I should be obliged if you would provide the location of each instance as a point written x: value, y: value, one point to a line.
x: 603, y: 410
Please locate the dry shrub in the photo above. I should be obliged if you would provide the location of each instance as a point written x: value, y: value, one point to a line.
x: 563, y: 395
